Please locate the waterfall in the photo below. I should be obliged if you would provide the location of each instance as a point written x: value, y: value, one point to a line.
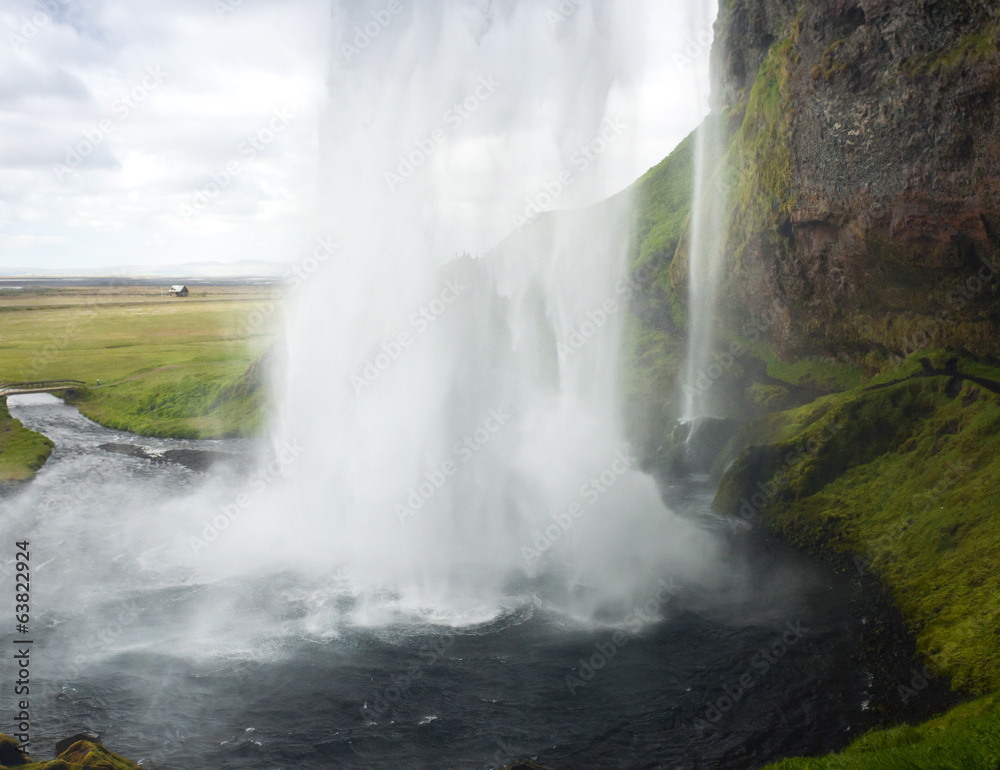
x: 705, y: 247
x: 456, y: 404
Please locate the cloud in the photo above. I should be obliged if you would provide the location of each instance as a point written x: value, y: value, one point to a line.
x: 99, y: 159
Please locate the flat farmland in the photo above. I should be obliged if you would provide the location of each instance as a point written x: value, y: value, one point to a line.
x: 168, y: 366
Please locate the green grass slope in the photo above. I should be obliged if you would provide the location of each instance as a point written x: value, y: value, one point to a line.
x: 966, y: 737
x: 903, y: 478
x: 22, y: 452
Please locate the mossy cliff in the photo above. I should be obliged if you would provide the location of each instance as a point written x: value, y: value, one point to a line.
x: 865, y: 217
x: 859, y: 318
x: 858, y: 166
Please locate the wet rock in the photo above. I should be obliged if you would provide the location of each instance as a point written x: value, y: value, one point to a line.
x: 80, y: 751
x: 875, y: 228
x: 696, y: 446
x: 10, y: 752
x: 193, y: 459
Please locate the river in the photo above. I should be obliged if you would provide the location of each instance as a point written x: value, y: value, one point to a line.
x: 184, y: 668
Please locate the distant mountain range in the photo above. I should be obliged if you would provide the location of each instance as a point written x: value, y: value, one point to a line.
x: 242, y: 269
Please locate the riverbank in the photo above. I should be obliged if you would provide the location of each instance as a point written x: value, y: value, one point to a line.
x: 22, y: 451
x: 968, y: 736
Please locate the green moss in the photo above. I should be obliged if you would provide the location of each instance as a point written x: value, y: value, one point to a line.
x: 829, y: 66
x: 22, y: 452
x: 82, y: 755
x: 967, y: 736
x: 761, y: 153
x: 767, y: 396
x: 822, y: 373
x: 968, y: 51
x: 92, y: 755
x: 653, y: 336
x: 663, y: 198
x: 906, y: 477
x: 653, y: 358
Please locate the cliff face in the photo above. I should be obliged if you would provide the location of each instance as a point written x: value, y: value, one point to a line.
x: 866, y: 212
x: 863, y: 225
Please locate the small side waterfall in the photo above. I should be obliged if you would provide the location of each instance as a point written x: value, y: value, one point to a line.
x: 705, y: 246
x: 704, y: 267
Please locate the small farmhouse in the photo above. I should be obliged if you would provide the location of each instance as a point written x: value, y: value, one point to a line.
x: 178, y: 291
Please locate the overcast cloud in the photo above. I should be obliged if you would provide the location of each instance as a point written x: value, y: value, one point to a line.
x: 117, y: 115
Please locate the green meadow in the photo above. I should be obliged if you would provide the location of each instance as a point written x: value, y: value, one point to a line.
x: 154, y: 365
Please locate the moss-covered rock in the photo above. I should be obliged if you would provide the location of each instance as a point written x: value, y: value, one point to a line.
x: 10, y: 752
x: 81, y: 754
x: 93, y: 755
x: 903, y: 477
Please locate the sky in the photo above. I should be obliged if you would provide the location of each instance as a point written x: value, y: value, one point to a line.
x: 174, y: 131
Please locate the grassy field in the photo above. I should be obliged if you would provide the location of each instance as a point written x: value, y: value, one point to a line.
x: 167, y: 366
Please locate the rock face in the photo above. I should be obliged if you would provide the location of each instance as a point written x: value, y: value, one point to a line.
x: 866, y: 215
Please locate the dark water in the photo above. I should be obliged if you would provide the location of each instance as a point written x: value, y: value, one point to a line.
x: 764, y: 668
